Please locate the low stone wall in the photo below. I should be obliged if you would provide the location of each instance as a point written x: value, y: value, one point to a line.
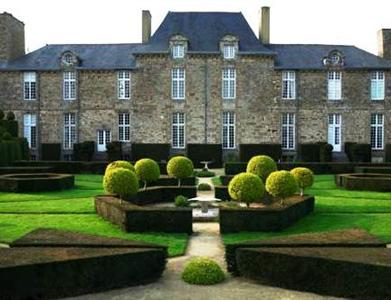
x: 364, y: 182
x: 35, y: 182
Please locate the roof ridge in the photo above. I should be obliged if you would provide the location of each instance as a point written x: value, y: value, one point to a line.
x: 94, y: 44
x: 311, y: 44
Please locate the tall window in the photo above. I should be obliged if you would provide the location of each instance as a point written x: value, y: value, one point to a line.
x: 69, y: 130
x: 178, y: 51
x: 69, y: 85
x: 124, y: 127
x: 178, y: 130
x: 377, y: 131
x: 288, y: 85
x: 30, y: 129
x: 178, y: 83
x: 228, y: 130
x: 30, y: 85
x: 334, y: 85
x: 334, y: 131
x: 229, y: 83
x: 123, y: 85
x: 288, y: 131
x: 377, y: 85
x: 229, y: 51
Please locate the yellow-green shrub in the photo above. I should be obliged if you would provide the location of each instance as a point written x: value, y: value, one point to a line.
x: 262, y: 166
x: 304, y: 178
x: 281, y: 184
x: 247, y: 188
x: 147, y: 170
x: 202, y: 271
x: 120, y: 164
x: 121, y: 182
x: 180, y: 167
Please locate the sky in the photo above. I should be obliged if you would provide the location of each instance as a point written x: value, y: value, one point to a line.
x: 346, y: 22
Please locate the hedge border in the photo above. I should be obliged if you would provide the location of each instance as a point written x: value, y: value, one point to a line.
x: 36, y: 182
x: 364, y: 182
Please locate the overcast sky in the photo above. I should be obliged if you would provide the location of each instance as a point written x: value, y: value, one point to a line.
x: 349, y: 22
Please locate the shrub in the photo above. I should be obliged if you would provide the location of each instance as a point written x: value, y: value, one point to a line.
x: 180, y: 167
x: 7, y: 136
x: 157, y: 152
x: 84, y: 151
x: 147, y: 170
x: 304, y: 178
x: 1, y: 115
x: 204, y: 173
x: 281, y: 184
x: 51, y: 151
x: 326, y: 152
x: 205, y: 152
x: 114, y: 151
x: 261, y: 165
x: 202, y: 271
x: 120, y: 181
x: 10, y: 116
x: 246, y: 187
x: 181, y: 201
x: 247, y: 151
x: 120, y: 164
x: 204, y: 187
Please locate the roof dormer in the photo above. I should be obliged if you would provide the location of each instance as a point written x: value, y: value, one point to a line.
x: 69, y: 59
x: 178, y: 46
x: 335, y: 59
x: 229, y: 46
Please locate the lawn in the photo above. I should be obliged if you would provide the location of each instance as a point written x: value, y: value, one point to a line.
x: 336, y: 209
x: 71, y: 210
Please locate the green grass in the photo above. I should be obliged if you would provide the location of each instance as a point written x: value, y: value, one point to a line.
x: 71, y: 210
x: 336, y: 209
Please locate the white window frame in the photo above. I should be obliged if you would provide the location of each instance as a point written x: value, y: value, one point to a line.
x: 377, y: 131
x: 178, y: 51
x: 289, y: 85
x: 105, y: 134
x: 178, y: 83
x: 123, y: 84
x: 229, y: 130
x: 30, y: 86
x: 229, y: 51
x: 30, y: 129
x: 334, y: 85
x: 377, y: 85
x: 178, y: 130
x: 124, y: 127
x: 69, y: 131
x: 69, y: 85
x: 228, y: 83
x: 288, y: 131
x: 334, y: 134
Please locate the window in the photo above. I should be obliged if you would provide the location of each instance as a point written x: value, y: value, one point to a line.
x: 30, y: 85
x: 68, y: 58
x: 288, y: 85
x: 334, y: 131
x: 377, y: 131
x: 69, y: 130
x: 69, y: 85
x: 104, y: 138
x: 123, y: 85
x: 288, y: 131
x: 228, y: 130
x: 377, y: 85
x: 229, y: 51
x: 178, y: 84
x: 178, y: 51
x: 124, y: 127
x: 30, y: 129
x: 229, y: 83
x: 334, y: 85
x: 178, y: 130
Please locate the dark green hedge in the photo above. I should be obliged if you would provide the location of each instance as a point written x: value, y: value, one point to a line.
x: 170, y: 181
x: 358, y: 152
x: 10, y: 151
x: 233, y: 168
x: 157, y: 152
x: 162, y: 194
x: 10, y: 126
x: 221, y: 192
x: 51, y: 151
x: 114, y: 151
x: 364, y: 182
x: 36, y: 182
x: 205, y: 152
x: 376, y: 170
x: 83, y: 151
x: 225, y: 179
x: 72, y: 167
x: 247, y: 151
x: 388, y: 153
x: 315, y: 152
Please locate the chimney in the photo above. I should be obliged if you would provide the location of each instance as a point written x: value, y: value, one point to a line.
x: 146, y: 24
x: 384, y: 43
x: 264, y: 25
x: 11, y: 37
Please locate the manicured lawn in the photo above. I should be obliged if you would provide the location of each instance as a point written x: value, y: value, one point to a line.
x: 336, y: 209
x: 71, y: 210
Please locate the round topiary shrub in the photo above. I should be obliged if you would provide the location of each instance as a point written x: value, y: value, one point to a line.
x: 304, y: 178
x: 10, y: 116
x: 202, y: 271
x: 121, y: 182
x: 147, y: 170
x: 203, y: 186
x: 281, y: 184
x: 119, y: 164
x: 247, y: 188
x: 180, y: 167
x: 262, y: 166
x: 181, y: 201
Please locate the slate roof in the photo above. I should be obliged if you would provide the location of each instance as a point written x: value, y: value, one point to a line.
x: 304, y: 56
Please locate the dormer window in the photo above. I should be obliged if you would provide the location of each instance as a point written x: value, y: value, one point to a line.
x: 178, y: 51
x: 68, y: 59
x: 334, y: 59
x: 178, y: 46
x: 229, y: 51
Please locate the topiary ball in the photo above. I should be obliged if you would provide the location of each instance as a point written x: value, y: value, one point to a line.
x: 180, y: 167
x: 262, y: 166
x: 203, y: 186
x: 181, y: 201
x: 120, y: 164
x: 120, y: 181
x: 304, y: 177
x: 147, y: 170
x: 202, y: 271
x: 281, y: 184
x: 246, y: 187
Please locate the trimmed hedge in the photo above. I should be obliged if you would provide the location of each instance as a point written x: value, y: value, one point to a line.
x: 35, y: 182
x: 162, y: 194
x: 202, y: 271
x: 387, y: 157
x: 157, y: 152
x: 10, y: 126
x: 364, y: 182
x: 205, y: 152
x: 23, y: 170
x: 10, y: 151
x: 83, y: 151
x: 221, y: 192
x: 376, y: 170
x: 51, y: 152
x: 247, y: 151
x: 358, y: 152
x: 114, y: 151
x: 315, y: 152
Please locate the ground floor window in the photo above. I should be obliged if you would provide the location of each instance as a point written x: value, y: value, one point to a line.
x: 377, y: 131
x: 124, y: 127
x: 228, y: 130
x: 69, y: 130
x: 334, y: 131
x: 104, y: 138
x: 288, y: 131
x: 178, y: 130
x: 30, y: 129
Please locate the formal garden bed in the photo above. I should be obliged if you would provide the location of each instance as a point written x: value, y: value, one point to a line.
x: 364, y: 181
x: 35, y: 182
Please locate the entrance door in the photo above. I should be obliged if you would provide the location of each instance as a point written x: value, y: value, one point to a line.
x: 334, y: 132
x: 104, y: 137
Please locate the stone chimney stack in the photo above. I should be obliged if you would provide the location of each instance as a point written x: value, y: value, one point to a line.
x: 264, y: 25
x: 384, y: 43
x: 146, y: 24
x: 11, y: 37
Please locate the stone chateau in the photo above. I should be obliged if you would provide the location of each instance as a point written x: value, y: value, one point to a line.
x: 202, y: 77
